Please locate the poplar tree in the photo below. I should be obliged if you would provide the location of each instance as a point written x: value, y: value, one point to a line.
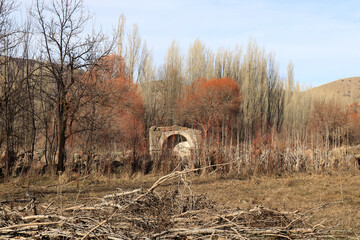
x: 173, y: 82
x: 197, y: 60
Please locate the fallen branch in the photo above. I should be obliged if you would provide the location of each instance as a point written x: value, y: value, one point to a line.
x: 169, y: 214
x: 29, y: 224
x: 121, y: 194
x: 15, y: 201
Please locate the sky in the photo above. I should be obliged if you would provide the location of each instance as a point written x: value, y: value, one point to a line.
x: 320, y: 37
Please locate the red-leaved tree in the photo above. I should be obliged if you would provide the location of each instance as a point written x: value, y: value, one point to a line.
x: 112, y: 116
x: 210, y: 103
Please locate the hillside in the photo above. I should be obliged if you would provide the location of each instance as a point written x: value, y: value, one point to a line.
x: 346, y: 90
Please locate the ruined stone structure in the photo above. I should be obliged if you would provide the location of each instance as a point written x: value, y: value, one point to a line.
x: 159, y: 137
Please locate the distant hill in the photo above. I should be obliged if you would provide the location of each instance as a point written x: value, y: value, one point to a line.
x: 346, y: 90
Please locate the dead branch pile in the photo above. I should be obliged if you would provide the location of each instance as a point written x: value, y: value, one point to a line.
x: 147, y: 214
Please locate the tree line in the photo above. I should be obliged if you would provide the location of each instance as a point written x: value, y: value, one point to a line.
x: 63, y: 88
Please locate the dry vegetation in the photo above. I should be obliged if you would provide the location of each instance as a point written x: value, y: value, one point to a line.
x: 79, y: 106
x: 345, y: 90
x: 332, y: 200
x: 182, y: 205
x: 274, y: 161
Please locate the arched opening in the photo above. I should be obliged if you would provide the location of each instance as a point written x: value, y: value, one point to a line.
x: 172, y: 141
x: 172, y: 146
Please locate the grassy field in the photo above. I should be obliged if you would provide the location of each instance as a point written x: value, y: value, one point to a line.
x: 330, y: 201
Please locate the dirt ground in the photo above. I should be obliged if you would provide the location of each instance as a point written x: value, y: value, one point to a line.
x: 329, y: 201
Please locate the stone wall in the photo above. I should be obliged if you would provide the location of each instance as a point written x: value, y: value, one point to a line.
x: 158, y: 135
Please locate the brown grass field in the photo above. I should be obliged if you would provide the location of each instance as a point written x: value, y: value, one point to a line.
x: 328, y: 201
x: 346, y: 90
x: 332, y: 201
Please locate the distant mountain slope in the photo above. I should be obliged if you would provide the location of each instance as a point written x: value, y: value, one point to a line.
x: 346, y: 90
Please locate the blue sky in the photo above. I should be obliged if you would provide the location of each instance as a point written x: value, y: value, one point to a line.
x: 321, y: 37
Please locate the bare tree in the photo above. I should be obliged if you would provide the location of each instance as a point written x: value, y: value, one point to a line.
x: 196, y: 61
x: 67, y: 52
x: 133, y: 51
x: 121, y: 31
x: 150, y: 91
x: 7, y: 26
x: 223, y: 63
x: 11, y: 83
x: 173, y: 83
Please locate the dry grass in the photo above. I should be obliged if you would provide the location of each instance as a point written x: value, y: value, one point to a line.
x: 332, y: 201
x: 345, y: 90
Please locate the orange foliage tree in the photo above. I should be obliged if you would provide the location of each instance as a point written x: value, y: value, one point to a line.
x: 210, y: 103
x: 113, y: 112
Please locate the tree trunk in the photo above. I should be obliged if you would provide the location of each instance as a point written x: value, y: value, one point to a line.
x: 61, y: 137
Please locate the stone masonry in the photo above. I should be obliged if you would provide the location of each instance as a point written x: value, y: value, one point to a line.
x: 159, y: 135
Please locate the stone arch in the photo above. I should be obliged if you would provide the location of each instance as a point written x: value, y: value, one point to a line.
x: 170, y: 144
x: 159, y: 135
x: 166, y: 136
